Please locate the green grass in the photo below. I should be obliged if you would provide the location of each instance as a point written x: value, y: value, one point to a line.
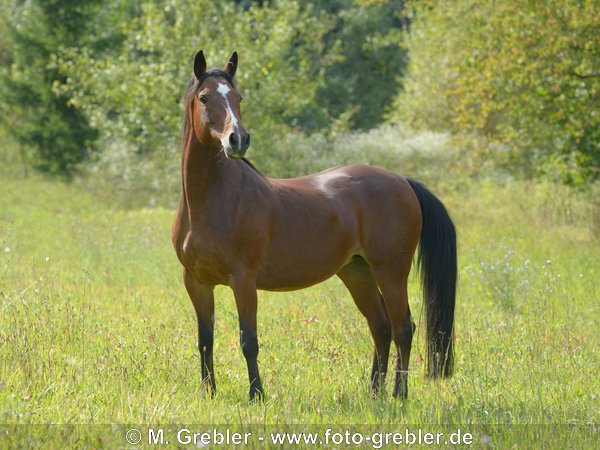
x: 96, y: 329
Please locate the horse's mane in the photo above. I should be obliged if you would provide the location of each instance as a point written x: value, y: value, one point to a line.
x: 252, y: 166
x: 193, y: 87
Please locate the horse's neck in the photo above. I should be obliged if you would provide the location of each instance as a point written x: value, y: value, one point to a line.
x: 198, y: 167
x: 202, y: 169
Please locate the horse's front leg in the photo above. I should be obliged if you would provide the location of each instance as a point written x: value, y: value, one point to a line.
x: 244, y: 290
x: 204, y: 303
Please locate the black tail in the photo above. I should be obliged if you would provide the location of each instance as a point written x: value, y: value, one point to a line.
x: 437, y: 262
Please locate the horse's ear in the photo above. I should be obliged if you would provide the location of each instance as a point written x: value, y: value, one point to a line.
x: 231, y: 65
x: 199, y: 64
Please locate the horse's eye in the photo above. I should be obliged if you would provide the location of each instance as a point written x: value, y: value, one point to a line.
x: 203, y: 98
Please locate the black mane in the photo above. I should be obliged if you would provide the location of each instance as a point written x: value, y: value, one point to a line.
x: 216, y: 73
x: 252, y: 166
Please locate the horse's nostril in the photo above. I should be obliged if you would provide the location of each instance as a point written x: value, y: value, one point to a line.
x: 247, y: 139
x: 233, y: 140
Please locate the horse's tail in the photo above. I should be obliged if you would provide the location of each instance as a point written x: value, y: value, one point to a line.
x: 437, y: 262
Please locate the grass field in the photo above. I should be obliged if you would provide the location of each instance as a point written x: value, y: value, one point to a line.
x: 97, y: 333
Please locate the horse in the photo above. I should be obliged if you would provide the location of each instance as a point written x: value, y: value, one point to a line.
x: 239, y: 228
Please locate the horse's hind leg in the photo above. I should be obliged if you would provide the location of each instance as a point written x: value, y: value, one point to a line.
x: 357, y: 277
x: 393, y: 284
x: 204, y: 303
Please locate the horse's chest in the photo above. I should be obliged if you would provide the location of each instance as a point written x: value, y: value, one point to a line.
x: 206, y: 256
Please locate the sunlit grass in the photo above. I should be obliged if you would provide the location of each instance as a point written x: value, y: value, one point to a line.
x: 96, y: 328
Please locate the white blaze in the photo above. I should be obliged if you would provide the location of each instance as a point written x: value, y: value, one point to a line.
x: 223, y: 89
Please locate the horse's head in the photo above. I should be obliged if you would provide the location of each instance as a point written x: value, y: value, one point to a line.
x: 214, y: 108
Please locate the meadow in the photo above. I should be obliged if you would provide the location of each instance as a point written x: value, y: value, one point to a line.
x: 97, y: 333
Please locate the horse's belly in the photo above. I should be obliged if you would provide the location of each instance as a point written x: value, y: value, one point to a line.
x: 291, y: 279
x: 300, y: 267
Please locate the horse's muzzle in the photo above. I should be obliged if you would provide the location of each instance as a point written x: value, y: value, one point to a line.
x: 237, y: 145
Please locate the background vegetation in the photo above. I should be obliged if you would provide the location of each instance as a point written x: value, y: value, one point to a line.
x: 97, y: 86
x: 521, y: 78
x: 492, y: 104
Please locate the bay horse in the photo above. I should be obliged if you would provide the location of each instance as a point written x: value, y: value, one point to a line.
x: 239, y: 228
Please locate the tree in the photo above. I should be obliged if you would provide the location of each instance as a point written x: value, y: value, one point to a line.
x: 522, y: 76
x: 364, y: 80
x: 34, y: 112
x: 134, y: 94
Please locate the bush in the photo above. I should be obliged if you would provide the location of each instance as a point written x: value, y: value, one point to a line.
x: 121, y: 176
x: 125, y: 179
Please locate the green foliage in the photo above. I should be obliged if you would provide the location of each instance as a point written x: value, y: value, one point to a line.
x: 303, y: 67
x: 364, y: 79
x: 33, y: 111
x: 521, y: 75
x: 134, y: 94
x: 515, y: 85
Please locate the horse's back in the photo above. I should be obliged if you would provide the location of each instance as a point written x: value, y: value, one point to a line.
x: 373, y: 193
